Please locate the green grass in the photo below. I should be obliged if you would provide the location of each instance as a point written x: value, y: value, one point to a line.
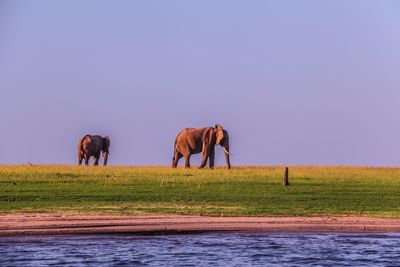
x: 241, y: 191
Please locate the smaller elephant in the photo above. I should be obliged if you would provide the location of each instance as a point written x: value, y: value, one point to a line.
x: 93, y: 145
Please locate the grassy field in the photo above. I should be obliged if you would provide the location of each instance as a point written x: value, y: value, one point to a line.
x: 250, y: 191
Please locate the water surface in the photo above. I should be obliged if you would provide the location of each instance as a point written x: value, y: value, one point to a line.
x: 216, y: 249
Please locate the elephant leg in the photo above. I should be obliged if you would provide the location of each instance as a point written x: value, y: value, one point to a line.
x: 87, y: 157
x: 80, y: 158
x: 187, y: 161
x: 204, y: 160
x: 96, y: 159
x: 212, y: 156
x: 177, y: 157
x: 206, y: 152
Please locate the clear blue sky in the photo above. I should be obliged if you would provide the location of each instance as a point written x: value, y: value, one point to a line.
x: 294, y: 82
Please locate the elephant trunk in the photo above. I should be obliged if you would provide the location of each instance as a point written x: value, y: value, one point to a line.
x: 227, y: 154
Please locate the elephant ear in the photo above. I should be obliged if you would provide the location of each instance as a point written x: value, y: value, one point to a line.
x: 219, y: 133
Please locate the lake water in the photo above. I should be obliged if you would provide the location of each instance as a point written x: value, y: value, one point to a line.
x: 215, y: 249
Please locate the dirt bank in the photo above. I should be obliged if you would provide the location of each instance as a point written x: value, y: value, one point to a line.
x: 42, y: 225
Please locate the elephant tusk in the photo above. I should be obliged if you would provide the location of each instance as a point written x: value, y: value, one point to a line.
x: 226, y: 151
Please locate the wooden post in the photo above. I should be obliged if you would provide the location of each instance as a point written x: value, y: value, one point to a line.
x: 286, y: 177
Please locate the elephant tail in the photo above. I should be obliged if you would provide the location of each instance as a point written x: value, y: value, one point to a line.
x: 80, y: 145
x: 175, y: 149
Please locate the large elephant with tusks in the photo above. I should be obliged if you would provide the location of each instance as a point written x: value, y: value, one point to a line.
x: 195, y: 140
x: 93, y: 145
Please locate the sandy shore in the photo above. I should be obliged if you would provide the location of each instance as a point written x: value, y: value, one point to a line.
x: 43, y: 225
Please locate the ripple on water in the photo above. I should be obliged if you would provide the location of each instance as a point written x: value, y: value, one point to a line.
x: 234, y: 249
